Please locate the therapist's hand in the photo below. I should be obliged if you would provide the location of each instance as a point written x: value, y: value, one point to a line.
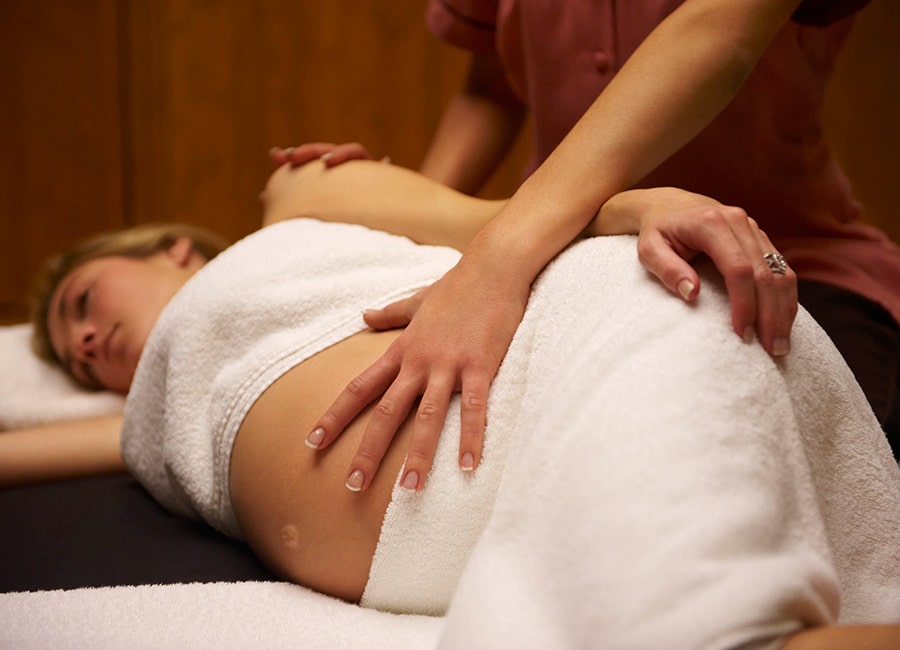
x: 458, y: 333
x: 674, y: 226
x: 329, y: 153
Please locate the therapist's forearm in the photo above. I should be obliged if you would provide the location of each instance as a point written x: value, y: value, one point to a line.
x: 674, y: 85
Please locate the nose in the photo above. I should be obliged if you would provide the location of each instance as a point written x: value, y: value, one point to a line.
x: 85, y: 348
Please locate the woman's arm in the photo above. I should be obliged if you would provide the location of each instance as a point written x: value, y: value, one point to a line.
x: 380, y: 196
x: 59, y: 451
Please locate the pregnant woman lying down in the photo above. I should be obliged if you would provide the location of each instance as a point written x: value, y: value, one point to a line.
x: 647, y: 478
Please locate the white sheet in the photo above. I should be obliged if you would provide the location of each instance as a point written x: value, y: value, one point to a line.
x: 218, y: 616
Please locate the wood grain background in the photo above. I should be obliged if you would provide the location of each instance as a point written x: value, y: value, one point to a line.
x: 117, y: 112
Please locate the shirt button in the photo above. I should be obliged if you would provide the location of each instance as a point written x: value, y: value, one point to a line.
x: 602, y: 61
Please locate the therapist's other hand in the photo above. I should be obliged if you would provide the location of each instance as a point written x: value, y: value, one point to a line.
x: 329, y: 153
x: 458, y: 332
x: 674, y: 226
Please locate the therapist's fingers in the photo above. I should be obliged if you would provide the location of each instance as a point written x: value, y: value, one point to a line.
x: 476, y: 385
x: 456, y: 341
x: 396, y: 314
x: 773, y: 295
x: 675, y: 226
x: 427, y: 428
x: 731, y: 244
x: 674, y: 271
x: 763, y: 303
x: 430, y: 418
x: 708, y: 229
x: 328, y: 152
x: 361, y: 391
x: 343, y: 152
x: 393, y: 316
x: 301, y: 154
x: 384, y: 422
x: 777, y: 302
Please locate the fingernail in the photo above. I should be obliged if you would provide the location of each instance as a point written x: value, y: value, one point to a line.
x: 355, y: 480
x: 748, y: 334
x: 467, y: 463
x: 326, y: 156
x: 386, y: 160
x: 685, y: 288
x: 781, y: 347
x: 274, y: 150
x: 410, y: 481
x: 315, y: 438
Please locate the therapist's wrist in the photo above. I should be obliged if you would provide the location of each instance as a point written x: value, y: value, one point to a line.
x: 505, y: 259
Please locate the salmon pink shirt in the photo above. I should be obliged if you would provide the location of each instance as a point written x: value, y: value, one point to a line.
x: 766, y: 152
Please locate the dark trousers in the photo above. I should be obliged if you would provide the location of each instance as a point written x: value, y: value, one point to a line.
x: 869, y: 339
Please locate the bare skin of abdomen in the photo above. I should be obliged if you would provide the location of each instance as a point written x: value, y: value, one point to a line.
x: 290, y: 500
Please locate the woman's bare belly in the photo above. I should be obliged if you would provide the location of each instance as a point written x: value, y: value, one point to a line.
x: 289, y: 500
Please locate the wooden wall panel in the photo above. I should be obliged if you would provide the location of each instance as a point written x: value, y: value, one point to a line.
x: 214, y: 85
x: 60, y: 172
x: 124, y: 111
x: 128, y: 111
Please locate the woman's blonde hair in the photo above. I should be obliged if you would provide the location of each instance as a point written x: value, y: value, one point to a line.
x: 139, y: 241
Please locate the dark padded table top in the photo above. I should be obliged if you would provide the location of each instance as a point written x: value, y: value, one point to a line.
x: 107, y: 531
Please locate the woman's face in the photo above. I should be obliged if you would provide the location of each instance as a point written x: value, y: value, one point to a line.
x: 102, y: 312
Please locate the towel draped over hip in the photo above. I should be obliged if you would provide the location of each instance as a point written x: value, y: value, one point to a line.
x: 663, y: 484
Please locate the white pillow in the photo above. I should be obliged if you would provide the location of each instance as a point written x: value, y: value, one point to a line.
x: 34, y: 392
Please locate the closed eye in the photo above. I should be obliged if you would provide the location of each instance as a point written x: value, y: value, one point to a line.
x: 81, y: 303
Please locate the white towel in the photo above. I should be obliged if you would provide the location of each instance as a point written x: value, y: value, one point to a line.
x: 427, y: 536
x: 668, y: 486
x: 218, y: 616
x: 34, y: 392
x: 262, y: 306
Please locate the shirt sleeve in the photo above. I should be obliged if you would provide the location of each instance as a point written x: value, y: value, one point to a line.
x: 820, y: 13
x: 469, y: 24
